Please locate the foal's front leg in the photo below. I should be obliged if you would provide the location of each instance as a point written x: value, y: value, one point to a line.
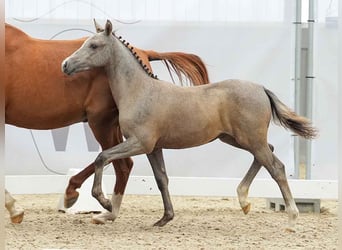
x: 126, y: 149
x: 157, y: 162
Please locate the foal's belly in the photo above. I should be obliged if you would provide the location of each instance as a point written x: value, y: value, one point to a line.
x: 186, y: 132
x: 187, y: 141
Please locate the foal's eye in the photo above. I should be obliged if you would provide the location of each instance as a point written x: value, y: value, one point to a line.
x: 93, y: 46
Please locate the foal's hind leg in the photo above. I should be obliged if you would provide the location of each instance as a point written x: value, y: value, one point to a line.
x: 244, y: 185
x: 16, y: 214
x: 157, y: 162
x: 277, y: 170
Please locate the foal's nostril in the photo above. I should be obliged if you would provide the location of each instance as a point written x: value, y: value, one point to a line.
x: 65, y: 65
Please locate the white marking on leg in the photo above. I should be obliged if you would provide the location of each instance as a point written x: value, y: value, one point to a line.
x: 293, y: 213
x: 242, y: 191
x: 243, y: 187
x: 16, y: 214
x: 116, y: 204
x: 104, y: 216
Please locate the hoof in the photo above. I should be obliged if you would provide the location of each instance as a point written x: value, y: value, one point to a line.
x: 162, y: 222
x: 18, y: 218
x: 70, y: 200
x: 290, y: 230
x: 102, y: 218
x: 98, y: 221
x: 246, y: 208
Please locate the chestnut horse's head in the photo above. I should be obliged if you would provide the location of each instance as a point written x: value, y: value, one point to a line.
x: 95, y: 51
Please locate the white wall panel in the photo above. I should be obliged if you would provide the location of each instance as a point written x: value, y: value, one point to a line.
x: 167, y: 10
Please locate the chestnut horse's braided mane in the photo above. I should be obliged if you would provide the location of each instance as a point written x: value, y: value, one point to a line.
x: 182, y: 64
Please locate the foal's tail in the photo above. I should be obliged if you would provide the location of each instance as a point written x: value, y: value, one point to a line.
x: 289, y: 119
x: 183, y: 64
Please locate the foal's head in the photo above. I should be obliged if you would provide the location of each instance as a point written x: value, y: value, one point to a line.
x: 95, y: 51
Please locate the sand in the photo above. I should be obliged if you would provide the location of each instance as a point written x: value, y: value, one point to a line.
x: 199, y: 223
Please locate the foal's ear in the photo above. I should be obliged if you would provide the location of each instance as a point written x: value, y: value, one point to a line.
x: 109, y: 28
x: 98, y: 27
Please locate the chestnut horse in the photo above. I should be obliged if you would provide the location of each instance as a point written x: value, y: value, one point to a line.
x: 32, y: 83
x: 154, y: 114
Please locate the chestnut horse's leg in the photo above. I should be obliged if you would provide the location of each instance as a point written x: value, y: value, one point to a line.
x: 75, y: 182
x: 122, y: 169
x: 107, y: 137
x: 16, y: 214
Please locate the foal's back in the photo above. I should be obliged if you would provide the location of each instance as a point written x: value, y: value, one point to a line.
x: 232, y: 95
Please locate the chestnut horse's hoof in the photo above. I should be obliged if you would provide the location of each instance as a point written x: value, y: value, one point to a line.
x: 18, y: 218
x: 246, y: 208
x: 70, y: 200
x: 102, y: 218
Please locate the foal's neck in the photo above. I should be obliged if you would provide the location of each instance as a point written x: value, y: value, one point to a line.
x: 125, y: 74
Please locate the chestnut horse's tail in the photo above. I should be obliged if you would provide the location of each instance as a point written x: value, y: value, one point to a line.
x: 289, y: 119
x: 189, y: 65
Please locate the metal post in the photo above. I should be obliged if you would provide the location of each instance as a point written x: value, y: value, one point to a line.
x: 340, y: 118
x: 309, y: 81
x: 298, y: 48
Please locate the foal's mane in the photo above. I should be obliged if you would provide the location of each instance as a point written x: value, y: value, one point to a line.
x: 134, y: 53
x: 182, y: 64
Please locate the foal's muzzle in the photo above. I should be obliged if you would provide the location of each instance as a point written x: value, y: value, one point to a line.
x: 66, y: 69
